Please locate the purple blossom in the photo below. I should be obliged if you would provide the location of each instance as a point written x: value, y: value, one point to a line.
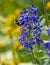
x: 46, y: 46
x: 48, y: 30
x: 31, y: 29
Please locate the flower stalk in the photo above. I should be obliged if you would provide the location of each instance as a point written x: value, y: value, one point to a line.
x: 31, y: 29
x: 32, y: 55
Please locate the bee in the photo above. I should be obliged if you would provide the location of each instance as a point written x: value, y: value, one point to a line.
x: 17, y: 22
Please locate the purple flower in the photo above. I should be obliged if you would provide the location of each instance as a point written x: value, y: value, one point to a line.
x: 49, y: 52
x: 48, y: 30
x: 31, y: 29
x: 46, y: 46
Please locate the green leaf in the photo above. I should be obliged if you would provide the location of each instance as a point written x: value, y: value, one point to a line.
x: 37, y: 60
x: 44, y: 36
x: 43, y: 21
x: 47, y: 62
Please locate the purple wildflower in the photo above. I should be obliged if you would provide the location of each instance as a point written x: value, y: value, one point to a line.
x: 48, y: 30
x: 31, y: 29
x: 46, y: 46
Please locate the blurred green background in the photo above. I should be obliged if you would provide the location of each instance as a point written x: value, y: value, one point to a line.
x: 9, y: 6
x: 9, y: 31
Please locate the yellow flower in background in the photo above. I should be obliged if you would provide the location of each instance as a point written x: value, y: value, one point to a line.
x: 17, y: 12
x: 18, y: 60
x: 8, y: 28
x: 10, y: 19
x: 10, y: 22
x: 12, y: 64
x: 18, y: 45
x: 7, y: 63
x: 16, y: 30
x: 2, y: 44
x: 48, y: 5
x: 3, y: 62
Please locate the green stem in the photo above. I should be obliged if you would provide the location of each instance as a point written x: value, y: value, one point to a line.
x: 44, y: 7
x: 32, y: 55
x: 45, y: 12
x: 40, y: 12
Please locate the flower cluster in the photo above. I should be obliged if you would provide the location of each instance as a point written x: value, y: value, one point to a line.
x: 31, y: 28
x: 47, y: 46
